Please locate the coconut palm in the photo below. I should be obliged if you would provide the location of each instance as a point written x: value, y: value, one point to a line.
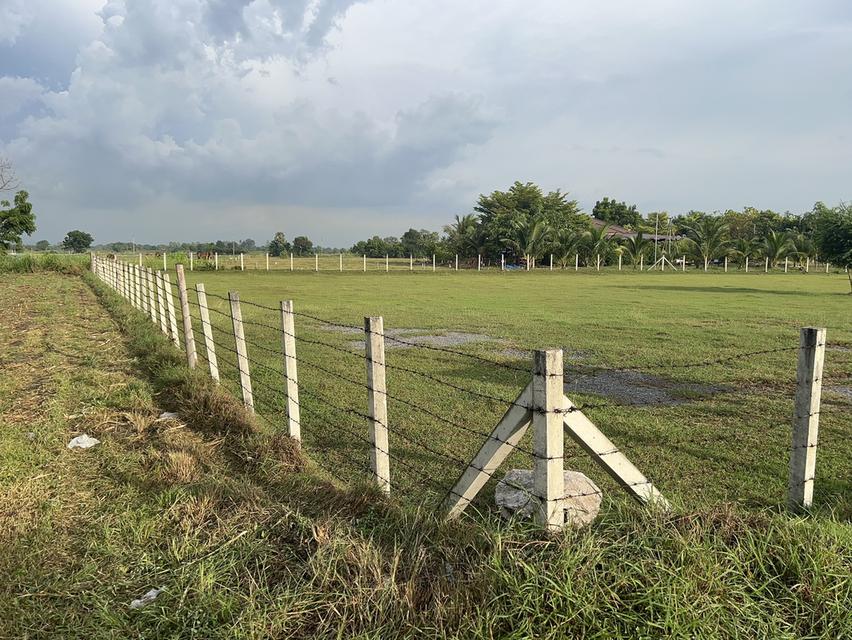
x: 744, y: 248
x: 464, y: 235
x: 708, y: 237
x: 598, y: 243
x: 802, y: 246
x: 776, y: 246
x: 636, y: 247
x: 529, y: 237
x: 566, y: 245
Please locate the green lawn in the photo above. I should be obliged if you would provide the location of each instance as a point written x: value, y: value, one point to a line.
x: 726, y: 438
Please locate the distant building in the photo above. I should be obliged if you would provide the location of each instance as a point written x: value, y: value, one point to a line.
x: 616, y: 231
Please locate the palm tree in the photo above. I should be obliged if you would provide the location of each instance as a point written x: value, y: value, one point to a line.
x: 529, y: 237
x: 566, y: 245
x: 802, y: 246
x: 464, y: 235
x: 598, y: 243
x: 636, y: 247
x: 744, y: 248
x: 709, y: 238
x: 776, y: 246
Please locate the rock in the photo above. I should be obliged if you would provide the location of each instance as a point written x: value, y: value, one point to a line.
x: 84, y: 441
x: 514, y: 496
x: 146, y: 598
x: 168, y: 415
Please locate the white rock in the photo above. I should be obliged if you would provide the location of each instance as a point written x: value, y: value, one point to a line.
x: 84, y: 441
x: 514, y: 495
x: 168, y: 415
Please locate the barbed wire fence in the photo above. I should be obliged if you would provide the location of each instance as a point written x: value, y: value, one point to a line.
x: 443, y: 412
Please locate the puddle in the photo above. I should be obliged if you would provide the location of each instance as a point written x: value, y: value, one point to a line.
x: 634, y: 387
x: 840, y: 390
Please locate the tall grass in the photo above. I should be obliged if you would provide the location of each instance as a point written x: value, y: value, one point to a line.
x: 34, y: 263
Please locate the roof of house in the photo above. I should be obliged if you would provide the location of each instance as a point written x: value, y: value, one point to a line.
x: 617, y: 231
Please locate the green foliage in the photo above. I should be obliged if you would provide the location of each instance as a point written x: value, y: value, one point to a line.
x: 77, y: 241
x: 302, y: 245
x: 618, y: 213
x: 42, y: 245
x: 279, y: 245
x: 636, y: 247
x: 833, y: 234
x: 776, y: 246
x: 16, y: 221
x: 35, y: 263
x: 708, y: 236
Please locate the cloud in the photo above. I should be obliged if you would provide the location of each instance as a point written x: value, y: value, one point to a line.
x: 324, y: 114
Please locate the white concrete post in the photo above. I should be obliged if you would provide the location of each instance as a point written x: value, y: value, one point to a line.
x: 267, y: 262
x: 576, y: 262
x: 207, y: 330
x: 165, y: 266
x: 341, y: 262
x: 170, y: 306
x: 746, y: 264
x: 599, y: 262
x: 242, y: 352
x: 726, y: 264
x: 706, y: 261
x: 411, y: 262
x: 478, y: 262
x: 683, y: 264
x: 365, y: 263
x: 548, y: 437
x: 807, y: 264
x: 551, y: 261
x: 766, y: 266
x: 152, y: 298
x: 387, y: 263
x: 161, y: 303
x: 502, y: 262
x: 641, y: 262
x: 433, y: 263
x: 457, y: 262
x: 619, y: 262
x: 316, y: 262
x: 291, y: 262
x: 216, y: 261
x: 806, y: 417
x: 242, y: 263
x: 140, y: 259
x: 291, y: 375
x: 827, y: 266
x: 188, y: 335
x: 786, y: 262
x: 377, y: 401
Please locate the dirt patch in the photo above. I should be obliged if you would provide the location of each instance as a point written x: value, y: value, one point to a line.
x: 634, y: 387
x: 415, y: 337
x: 527, y: 354
x: 842, y: 348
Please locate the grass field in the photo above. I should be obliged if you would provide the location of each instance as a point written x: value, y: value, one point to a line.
x: 249, y: 541
x: 720, y: 432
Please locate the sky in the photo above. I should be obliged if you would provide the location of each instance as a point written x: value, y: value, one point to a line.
x: 180, y: 120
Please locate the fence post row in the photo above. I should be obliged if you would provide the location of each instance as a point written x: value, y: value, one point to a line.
x: 242, y: 352
x: 806, y: 417
x: 207, y: 330
x: 188, y: 336
x: 152, y: 300
x: 548, y: 438
x: 291, y: 375
x: 377, y: 400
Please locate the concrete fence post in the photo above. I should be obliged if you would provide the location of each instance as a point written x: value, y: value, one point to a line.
x: 411, y: 262
x: 165, y: 263
x: 502, y: 262
x: 140, y: 259
x: 152, y: 296
x: 786, y: 263
x: 188, y: 335
x: 242, y: 262
x: 548, y: 437
x: 207, y: 330
x: 599, y: 262
x: 216, y: 261
x: 341, y: 262
x: 478, y: 262
x: 433, y: 263
x: 746, y: 264
x: 291, y: 375
x: 806, y: 417
x: 807, y: 264
x: 191, y: 262
x: 365, y: 263
x: 641, y: 262
x: 377, y: 400
x: 242, y: 351
x: 291, y: 262
x: 387, y: 263
x: 683, y: 264
x: 316, y: 262
x: 457, y: 262
x: 267, y: 262
x: 161, y: 303
x: 726, y: 264
x: 551, y: 261
x: 766, y: 265
x: 619, y: 262
x: 170, y: 306
x: 576, y: 262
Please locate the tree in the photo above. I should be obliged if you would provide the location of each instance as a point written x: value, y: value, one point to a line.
x: 776, y: 245
x: 598, y: 243
x: 279, y: 245
x: 501, y: 212
x: 617, y: 213
x: 636, y: 247
x: 16, y: 221
x: 77, y: 241
x: 42, y: 245
x: 566, y: 245
x: 302, y: 245
x: 744, y: 248
x: 708, y: 236
x: 464, y: 236
x: 8, y: 181
x: 833, y: 237
x: 529, y: 237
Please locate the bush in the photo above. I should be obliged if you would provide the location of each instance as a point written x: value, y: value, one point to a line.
x: 33, y: 263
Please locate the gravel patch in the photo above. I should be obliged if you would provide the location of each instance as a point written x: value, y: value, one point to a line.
x: 631, y: 387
